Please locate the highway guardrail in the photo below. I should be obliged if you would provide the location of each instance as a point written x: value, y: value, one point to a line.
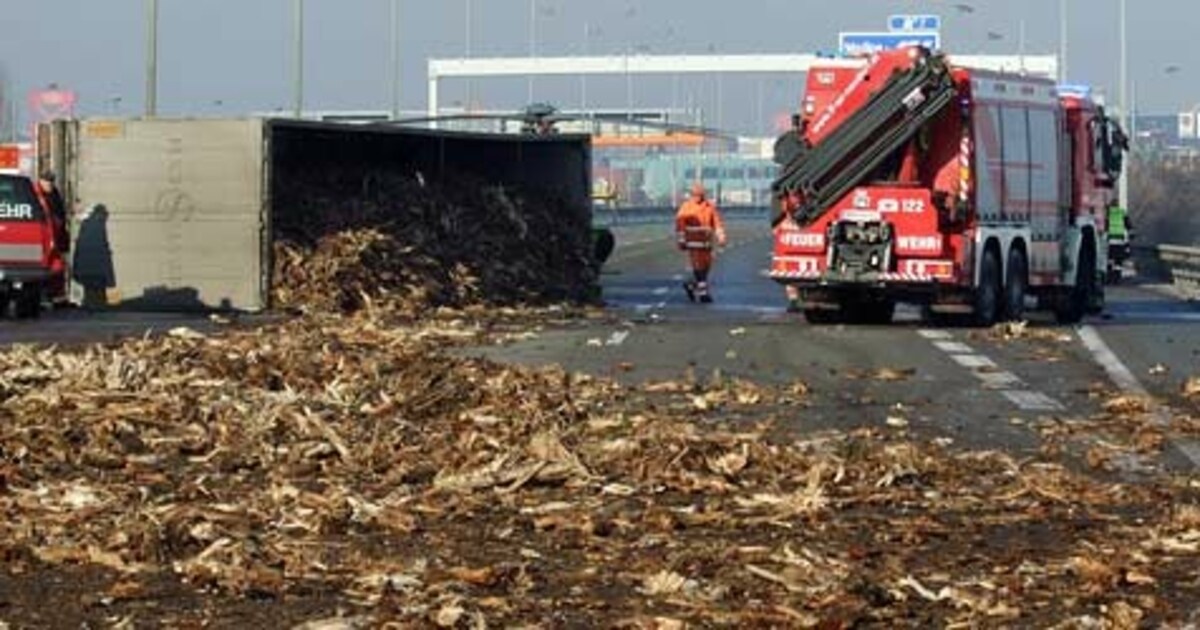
x: 613, y: 217
x: 1180, y: 263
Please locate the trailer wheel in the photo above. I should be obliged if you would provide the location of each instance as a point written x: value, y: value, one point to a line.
x: 987, y: 296
x: 1015, y: 286
x: 1078, y: 299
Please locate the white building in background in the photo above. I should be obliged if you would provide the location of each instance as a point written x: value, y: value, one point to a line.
x: 1187, y: 125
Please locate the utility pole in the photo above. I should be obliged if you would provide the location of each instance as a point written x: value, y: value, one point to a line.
x: 395, y: 59
x: 532, y: 43
x: 468, y: 46
x: 151, y: 58
x: 587, y: 51
x: 1063, y: 34
x: 298, y: 59
x: 628, y: 86
x: 1124, y: 92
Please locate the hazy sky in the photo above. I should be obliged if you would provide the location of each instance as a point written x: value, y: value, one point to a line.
x: 238, y: 51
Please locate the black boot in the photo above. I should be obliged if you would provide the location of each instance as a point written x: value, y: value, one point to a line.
x: 690, y: 289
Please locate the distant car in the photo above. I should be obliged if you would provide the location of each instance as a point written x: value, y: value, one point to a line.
x: 32, y: 267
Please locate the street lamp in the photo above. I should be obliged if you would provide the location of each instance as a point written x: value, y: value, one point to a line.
x: 588, y: 31
x: 535, y: 9
x: 468, y: 44
x: 1124, y: 92
x: 151, y: 58
x: 395, y: 26
x: 298, y: 60
x: 1063, y: 34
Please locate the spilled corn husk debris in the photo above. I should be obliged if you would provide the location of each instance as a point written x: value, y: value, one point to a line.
x: 351, y: 241
x: 340, y: 473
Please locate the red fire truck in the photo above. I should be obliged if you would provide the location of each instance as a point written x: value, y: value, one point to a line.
x: 966, y: 191
x: 32, y: 266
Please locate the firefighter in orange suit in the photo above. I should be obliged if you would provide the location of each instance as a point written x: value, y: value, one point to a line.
x: 699, y: 229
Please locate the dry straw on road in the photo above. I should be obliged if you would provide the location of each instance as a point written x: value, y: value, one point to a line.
x: 341, y: 470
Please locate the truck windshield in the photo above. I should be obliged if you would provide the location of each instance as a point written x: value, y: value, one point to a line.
x: 18, y: 202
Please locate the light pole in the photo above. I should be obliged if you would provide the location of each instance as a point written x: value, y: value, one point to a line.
x: 532, y: 44
x: 628, y: 87
x: 298, y: 60
x: 1123, y: 193
x: 588, y: 31
x: 468, y: 44
x: 395, y: 26
x: 151, y: 58
x: 1063, y: 34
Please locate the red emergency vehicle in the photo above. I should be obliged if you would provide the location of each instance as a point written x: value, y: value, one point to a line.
x: 966, y: 191
x: 32, y: 268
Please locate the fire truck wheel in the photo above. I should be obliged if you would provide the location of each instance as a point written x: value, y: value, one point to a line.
x: 28, y: 302
x: 874, y: 312
x: 822, y: 317
x: 987, y: 296
x: 1077, y: 299
x: 1016, y: 284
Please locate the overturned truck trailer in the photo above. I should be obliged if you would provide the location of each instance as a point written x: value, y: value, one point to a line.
x: 182, y: 214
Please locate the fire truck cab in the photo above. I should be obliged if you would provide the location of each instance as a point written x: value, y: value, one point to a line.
x: 32, y: 268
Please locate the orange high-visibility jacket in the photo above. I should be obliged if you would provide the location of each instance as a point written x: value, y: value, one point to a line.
x: 698, y: 225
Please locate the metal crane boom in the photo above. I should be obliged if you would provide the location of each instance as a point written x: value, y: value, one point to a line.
x: 853, y: 151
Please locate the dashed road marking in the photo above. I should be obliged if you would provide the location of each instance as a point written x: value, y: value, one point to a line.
x: 617, y: 338
x: 990, y: 375
x: 973, y: 361
x: 1000, y: 380
x: 662, y: 291
x: 1033, y: 401
x: 953, y: 347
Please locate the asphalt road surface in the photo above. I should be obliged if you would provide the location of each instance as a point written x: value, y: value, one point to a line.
x: 964, y: 385
x: 975, y: 388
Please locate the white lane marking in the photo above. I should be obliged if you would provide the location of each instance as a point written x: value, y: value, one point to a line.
x: 973, y: 361
x: 990, y: 375
x: 1033, y: 401
x: 660, y: 305
x: 662, y: 291
x: 1190, y: 450
x: 953, y: 347
x: 1000, y: 380
x: 1123, y: 377
x: 617, y: 338
x: 748, y: 308
x: 1108, y: 360
x: 677, y: 277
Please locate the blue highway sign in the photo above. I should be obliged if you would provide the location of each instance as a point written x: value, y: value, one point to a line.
x: 870, y: 43
x: 914, y: 23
